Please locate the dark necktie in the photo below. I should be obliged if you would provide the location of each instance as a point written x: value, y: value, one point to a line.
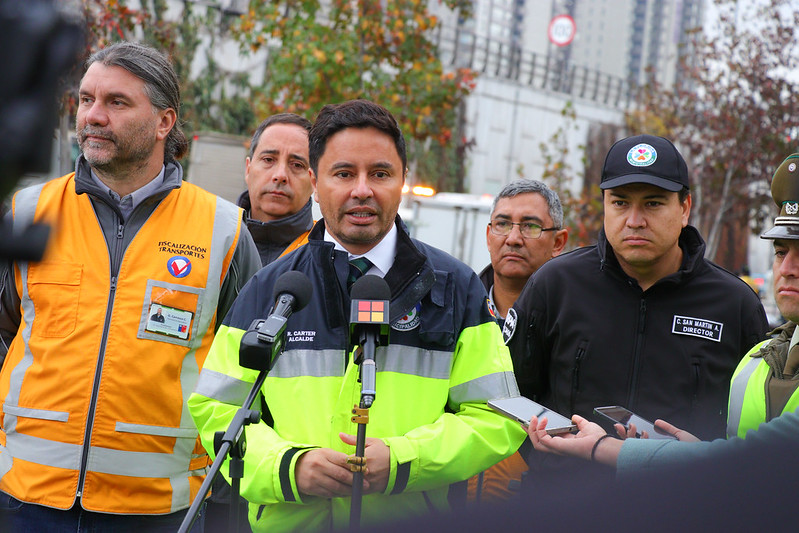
x: 358, y: 268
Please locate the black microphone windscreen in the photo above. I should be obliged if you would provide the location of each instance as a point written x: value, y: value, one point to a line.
x: 370, y: 288
x: 296, y: 284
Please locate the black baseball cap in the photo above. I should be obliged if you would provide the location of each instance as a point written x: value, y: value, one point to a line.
x: 645, y: 159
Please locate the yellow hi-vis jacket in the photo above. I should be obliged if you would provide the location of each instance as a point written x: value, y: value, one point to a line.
x: 445, y: 358
x: 93, y: 389
x: 748, y: 400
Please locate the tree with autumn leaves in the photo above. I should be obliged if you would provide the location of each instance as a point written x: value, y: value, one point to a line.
x: 317, y: 53
x: 733, y: 115
x: 329, y: 52
x: 214, y: 98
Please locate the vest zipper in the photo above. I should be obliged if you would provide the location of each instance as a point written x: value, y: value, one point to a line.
x: 116, y: 260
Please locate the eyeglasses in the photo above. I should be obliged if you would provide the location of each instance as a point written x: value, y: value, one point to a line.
x: 529, y: 230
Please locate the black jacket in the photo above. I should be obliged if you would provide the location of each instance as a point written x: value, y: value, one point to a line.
x: 271, y: 238
x: 587, y: 335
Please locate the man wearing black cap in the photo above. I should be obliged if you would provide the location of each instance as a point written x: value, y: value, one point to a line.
x: 640, y: 319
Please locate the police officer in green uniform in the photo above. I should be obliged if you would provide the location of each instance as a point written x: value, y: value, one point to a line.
x: 766, y: 381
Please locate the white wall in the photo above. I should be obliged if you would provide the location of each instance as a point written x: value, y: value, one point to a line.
x: 508, y: 121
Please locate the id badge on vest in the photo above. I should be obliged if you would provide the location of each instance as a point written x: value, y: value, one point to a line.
x: 169, y: 321
x: 170, y: 313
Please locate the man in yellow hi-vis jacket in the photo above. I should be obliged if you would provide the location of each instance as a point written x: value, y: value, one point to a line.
x: 766, y: 382
x: 429, y: 427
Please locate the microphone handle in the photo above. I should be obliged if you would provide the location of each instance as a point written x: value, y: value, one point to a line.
x: 368, y: 367
x: 284, y: 305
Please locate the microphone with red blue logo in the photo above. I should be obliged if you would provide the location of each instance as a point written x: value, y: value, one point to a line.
x: 369, y: 328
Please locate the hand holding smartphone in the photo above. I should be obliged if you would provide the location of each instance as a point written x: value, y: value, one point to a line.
x: 523, y: 409
x: 615, y: 414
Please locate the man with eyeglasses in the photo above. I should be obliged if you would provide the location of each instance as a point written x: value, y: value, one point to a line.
x: 641, y: 319
x: 526, y: 230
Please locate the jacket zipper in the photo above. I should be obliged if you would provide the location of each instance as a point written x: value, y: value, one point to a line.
x: 695, y: 398
x: 115, y: 264
x: 578, y: 359
x: 636, y: 354
x: 697, y: 380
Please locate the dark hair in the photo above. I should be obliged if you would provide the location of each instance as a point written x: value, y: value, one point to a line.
x: 160, y: 83
x: 352, y: 114
x: 280, y: 118
x: 526, y: 186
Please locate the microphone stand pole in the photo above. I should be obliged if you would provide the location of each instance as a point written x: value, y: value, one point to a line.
x: 233, y: 442
x: 364, y: 356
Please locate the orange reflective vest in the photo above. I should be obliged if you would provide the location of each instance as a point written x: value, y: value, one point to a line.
x: 94, y: 386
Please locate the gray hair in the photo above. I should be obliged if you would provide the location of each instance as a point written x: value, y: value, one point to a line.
x: 160, y: 83
x: 525, y: 186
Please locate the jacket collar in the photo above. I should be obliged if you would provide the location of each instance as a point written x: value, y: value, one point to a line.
x: 487, y: 276
x: 402, y: 272
x: 775, y: 352
x: 278, y: 232
x: 173, y: 178
x: 691, y: 243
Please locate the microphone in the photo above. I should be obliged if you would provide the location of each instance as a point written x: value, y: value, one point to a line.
x: 292, y: 292
x: 369, y: 328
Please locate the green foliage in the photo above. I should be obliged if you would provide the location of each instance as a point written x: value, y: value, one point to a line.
x: 214, y: 99
x: 363, y: 49
x: 380, y: 50
x: 582, y: 211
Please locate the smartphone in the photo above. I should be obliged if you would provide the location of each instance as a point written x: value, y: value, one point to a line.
x: 615, y: 414
x: 523, y: 409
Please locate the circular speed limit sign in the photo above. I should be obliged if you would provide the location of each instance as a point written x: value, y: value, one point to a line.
x: 561, y: 30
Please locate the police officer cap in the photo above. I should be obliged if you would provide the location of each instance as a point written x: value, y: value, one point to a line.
x: 785, y: 192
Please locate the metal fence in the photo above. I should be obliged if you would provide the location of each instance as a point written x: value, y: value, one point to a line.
x: 462, y: 48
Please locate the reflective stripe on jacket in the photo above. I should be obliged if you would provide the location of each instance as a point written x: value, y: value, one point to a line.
x: 94, y: 392
x: 748, y: 402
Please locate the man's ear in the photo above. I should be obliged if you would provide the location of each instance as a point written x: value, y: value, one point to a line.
x: 561, y: 236
x: 167, y: 117
x: 247, y: 162
x: 686, y: 210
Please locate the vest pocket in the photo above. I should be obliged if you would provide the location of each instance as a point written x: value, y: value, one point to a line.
x: 160, y: 431
x: 54, y: 289
x: 40, y: 414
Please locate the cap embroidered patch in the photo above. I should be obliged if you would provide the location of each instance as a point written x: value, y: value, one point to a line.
x: 791, y: 208
x: 642, y: 155
x: 791, y: 167
x: 179, y: 266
